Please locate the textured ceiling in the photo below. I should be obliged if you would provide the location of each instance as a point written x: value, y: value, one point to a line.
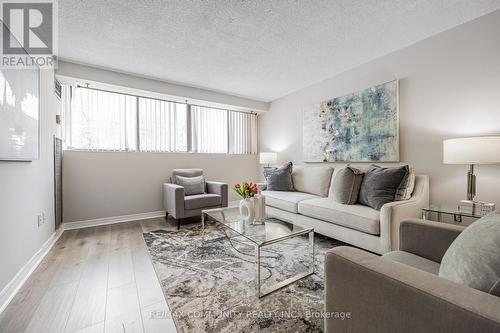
x: 258, y: 49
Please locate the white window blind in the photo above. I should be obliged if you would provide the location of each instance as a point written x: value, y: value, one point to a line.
x: 102, y: 120
x: 242, y: 133
x: 209, y: 130
x: 162, y: 125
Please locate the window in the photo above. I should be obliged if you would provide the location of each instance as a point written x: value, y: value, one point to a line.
x: 102, y: 120
x: 162, y: 126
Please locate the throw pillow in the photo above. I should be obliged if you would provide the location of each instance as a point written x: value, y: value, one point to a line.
x: 312, y: 179
x: 380, y: 185
x: 346, y: 185
x: 192, y: 185
x: 406, y: 187
x: 279, y: 179
x: 472, y: 259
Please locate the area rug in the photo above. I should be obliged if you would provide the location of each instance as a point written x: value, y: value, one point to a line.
x: 210, y: 285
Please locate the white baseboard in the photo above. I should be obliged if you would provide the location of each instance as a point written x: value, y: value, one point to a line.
x: 10, y: 290
x: 111, y: 220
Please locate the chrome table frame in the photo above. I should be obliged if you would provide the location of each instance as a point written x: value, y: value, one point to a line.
x: 261, y: 290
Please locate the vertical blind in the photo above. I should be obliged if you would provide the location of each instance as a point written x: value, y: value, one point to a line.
x: 209, y: 130
x: 103, y: 120
x: 162, y: 125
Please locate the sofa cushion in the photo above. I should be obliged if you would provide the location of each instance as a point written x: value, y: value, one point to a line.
x: 413, y: 260
x: 380, y: 185
x: 312, y: 179
x: 198, y: 201
x: 346, y: 185
x: 406, y: 187
x: 279, y: 179
x: 357, y: 217
x: 286, y: 200
x: 192, y: 185
x: 473, y: 258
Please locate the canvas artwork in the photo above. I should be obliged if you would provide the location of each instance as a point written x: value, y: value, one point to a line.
x: 358, y: 127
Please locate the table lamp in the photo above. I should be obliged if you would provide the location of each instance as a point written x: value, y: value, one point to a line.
x: 268, y: 158
x: 472, y: 151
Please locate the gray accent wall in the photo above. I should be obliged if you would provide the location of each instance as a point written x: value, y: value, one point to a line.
x: 449, y: 87
x: 98, y: 184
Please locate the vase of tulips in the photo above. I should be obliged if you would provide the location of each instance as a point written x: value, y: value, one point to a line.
x: 247, y: 192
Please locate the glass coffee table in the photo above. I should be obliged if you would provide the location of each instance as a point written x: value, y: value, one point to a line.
x: 269, y: 232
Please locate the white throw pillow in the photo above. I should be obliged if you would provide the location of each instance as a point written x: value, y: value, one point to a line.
x: 313, y: 180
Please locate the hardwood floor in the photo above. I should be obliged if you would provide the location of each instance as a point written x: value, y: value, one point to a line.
x: 97, y: 279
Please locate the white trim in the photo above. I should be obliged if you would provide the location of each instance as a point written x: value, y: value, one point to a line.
x: 11, y: 289
x: 111, y: 220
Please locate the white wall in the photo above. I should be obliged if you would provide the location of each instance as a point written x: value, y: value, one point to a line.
x: 99, y: 185
x: 449, y: 87
x: 26, y: 190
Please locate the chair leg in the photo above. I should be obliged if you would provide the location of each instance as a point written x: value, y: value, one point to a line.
x: 178, y: 224
x: 166, y: 215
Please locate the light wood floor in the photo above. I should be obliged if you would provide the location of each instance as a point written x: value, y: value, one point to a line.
x: 97, y: 279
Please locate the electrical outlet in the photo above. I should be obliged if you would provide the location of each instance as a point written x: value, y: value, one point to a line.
x: 40, y: 220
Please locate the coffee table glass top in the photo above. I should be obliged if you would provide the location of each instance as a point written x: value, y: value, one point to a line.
x: 270, y: 231
x: 450, y: 210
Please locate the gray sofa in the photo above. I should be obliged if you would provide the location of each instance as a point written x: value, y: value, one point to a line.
x: 311, y: 204
x: 401, y: 291
x: 180, y: 206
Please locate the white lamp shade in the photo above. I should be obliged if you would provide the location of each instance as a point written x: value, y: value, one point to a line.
x: 476, y: 150
x: 268, y: 158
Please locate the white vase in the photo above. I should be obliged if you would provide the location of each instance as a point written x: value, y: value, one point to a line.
x: 260, y: 208
x: 247, y: 209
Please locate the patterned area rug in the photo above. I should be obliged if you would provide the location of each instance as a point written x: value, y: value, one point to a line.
x: 210, y: 285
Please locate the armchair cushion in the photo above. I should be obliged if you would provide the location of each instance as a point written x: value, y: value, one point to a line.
x: 198, y: 201
x: 192, y: 185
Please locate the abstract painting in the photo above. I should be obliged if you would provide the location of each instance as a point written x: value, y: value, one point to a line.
x: 358, y: 127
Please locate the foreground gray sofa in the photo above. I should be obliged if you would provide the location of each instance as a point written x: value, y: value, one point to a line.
x: 401, y: 291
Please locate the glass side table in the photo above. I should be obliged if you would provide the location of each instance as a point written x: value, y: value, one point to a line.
x: 447, y: 209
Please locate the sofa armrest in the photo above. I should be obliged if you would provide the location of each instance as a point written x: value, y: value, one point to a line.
x: 173, y: 200
x: 427, y: 239
x: 386, y: 296
x: 391, y: 214
x: 220, y: 189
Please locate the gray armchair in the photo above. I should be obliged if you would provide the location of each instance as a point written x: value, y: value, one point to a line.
x: 401, y: 291
x: 180, y: 206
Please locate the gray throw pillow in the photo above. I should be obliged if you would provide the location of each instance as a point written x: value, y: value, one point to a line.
x: 279, y: 179
x: 380, y: 185
x: 473, y: 258
x: 346, y: 185
x: 192, y: 185
x: 406, y: 187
